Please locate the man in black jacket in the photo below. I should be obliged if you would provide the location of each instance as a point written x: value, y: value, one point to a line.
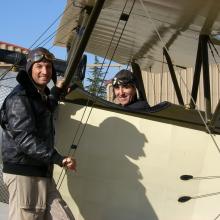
x: 28, y: 152
x: 125, y: 91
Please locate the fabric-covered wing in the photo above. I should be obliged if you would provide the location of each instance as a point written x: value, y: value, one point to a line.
x: 144, y: 29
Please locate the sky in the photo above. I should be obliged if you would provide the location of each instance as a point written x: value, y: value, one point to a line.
x: 23, y: 22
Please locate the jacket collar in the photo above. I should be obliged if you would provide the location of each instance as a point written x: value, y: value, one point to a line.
x: 28, y: 84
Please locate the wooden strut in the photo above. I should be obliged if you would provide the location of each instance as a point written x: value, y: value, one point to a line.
x: 196, y: 77
x: 75, y: 57
x: 136, y: 69
x: 206, y: 77
x: 173, y: 76
x: 202, y: 61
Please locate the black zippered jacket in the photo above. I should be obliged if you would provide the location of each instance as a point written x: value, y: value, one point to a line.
x: 28, y: 131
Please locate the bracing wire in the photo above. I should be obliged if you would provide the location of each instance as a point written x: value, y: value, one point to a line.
x: 161, y: 80
x: 59, y: 181
x: 47, y: 29
x: 44, y: 32
x: 210, y: 43
x: 48, y: 38
x: 101, y: 84
x: 202, y: 118
x: 99, y: 87
x: 183, y: 81
x: 7, y: 71
x: 153, y: 85
x: 217, y: 217
x: 13, y: 77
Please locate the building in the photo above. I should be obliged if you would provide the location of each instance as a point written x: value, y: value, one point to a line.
x: 11, y: 47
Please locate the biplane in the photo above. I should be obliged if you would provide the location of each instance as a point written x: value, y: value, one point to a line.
x: 159, y: 164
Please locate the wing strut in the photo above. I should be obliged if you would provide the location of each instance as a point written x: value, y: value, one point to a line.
x: 196, y: 77
x: 173, y: 76
x: 77, y: 55
x: 206, y: 78
x: 202, y: 60
x: 136, y: 69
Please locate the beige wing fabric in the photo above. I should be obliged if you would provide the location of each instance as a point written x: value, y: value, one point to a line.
x: 178, y: 24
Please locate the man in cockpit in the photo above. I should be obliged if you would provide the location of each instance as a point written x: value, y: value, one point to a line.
x: 126, y: 92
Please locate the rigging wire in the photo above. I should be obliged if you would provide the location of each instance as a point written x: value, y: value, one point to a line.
x: 6, y: 72
x: 217, y: 217
x: 183, y: 199
x: 203, y: 120
x: 44, y: 32
x: 153, y: 85
x: 5, y: 86
x: 187, y: 177
x: 47, y: 39
x: 164, y: 45
x: 47, y: 29
x: 214, y: 47
x: 19, y: 60
x: 206, y: 195
x: 60, y: 181
x: 13, y: 77
x: 210, y: 43
x: 161, y: 79
x: 101, y: 82
x: 53, y: 33
x: 153, y: 25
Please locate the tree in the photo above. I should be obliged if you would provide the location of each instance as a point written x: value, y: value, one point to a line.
x: 96, y: 85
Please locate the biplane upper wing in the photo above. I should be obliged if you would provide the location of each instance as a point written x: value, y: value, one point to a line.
x: 138, y: 30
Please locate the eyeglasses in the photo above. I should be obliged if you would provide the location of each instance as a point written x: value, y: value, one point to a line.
x: 38, y: 57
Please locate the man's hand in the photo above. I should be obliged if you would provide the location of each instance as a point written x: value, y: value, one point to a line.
x: 60, y: 83
x: 69, y: 163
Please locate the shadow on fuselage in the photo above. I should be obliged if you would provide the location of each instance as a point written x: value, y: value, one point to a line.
x: 108, y: 183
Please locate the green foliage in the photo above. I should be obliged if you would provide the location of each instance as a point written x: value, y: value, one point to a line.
x: 95, y: 85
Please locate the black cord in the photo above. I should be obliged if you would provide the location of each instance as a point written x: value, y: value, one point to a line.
x: 94, y: 99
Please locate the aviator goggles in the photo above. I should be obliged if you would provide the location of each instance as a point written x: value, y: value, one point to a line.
x: 40, y: 56
x: 122, y: 81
